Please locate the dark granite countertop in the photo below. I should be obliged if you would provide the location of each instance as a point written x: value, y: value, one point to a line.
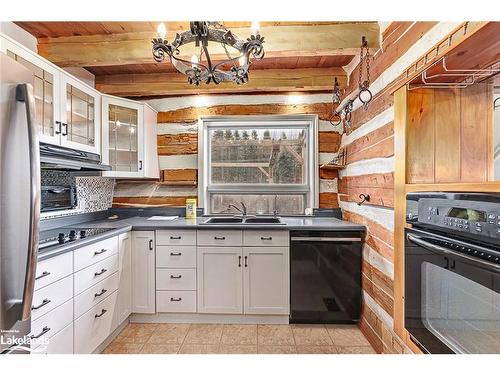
x: 122, y: 225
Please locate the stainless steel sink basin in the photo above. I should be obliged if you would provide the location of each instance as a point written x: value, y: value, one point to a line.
x: 239, y: 220
x: 263, y: 220
x: 224, y: 220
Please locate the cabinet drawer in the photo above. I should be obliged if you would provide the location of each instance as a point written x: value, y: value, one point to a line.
x: 175, y: 279
x: 176, y: 256
x: 93, y: 253
x: 48, y: 298
x: 53, y: 269
x: 93, y: 327
x: 220, y: 237
x: 60, y: 343
x: 176, y: 301
x: 51, y: 323
x: 176, y: 237
x: 265, y: 238
x: 95, y: 294
x: 97, y: 272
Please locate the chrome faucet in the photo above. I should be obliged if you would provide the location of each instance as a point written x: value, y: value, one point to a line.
x: 242, y: 210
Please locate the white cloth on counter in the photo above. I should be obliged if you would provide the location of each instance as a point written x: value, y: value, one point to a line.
x: 166, y: 218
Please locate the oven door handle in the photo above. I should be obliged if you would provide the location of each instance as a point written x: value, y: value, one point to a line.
x: 442, y: 250
x: 326, y: 239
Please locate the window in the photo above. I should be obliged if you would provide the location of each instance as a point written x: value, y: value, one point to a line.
x: 268, y: 163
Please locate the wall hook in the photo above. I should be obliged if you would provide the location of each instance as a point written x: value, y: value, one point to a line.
x: 364, y: 198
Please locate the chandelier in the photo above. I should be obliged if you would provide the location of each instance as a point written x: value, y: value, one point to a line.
x: 201, y: 68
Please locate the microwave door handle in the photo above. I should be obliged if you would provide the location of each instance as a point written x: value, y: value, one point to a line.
x: 442, y: 250
x: 24, y: 93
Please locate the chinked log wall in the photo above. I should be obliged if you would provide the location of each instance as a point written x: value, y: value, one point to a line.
x: 370, y: 170
x: 178, y: 143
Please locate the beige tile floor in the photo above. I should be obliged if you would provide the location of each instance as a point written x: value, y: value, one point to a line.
x: 239, y: 339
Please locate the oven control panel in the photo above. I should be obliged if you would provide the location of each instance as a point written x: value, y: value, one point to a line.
x: 479, y: 217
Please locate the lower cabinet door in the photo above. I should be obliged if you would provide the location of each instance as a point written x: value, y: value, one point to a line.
x: 124, y: 299
x: 266, y: 280
x: 93, y: 327
x: 220, y: 280
x: 143, y: 272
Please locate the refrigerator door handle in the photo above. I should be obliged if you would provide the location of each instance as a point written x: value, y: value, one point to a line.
x: 24, y: 93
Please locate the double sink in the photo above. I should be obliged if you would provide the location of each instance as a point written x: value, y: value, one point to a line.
x: 244, y: 220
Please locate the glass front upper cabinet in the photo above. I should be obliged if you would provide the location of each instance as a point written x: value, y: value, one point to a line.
x: 80, y: 116
x: 45, y: 80
x: 122, y: 137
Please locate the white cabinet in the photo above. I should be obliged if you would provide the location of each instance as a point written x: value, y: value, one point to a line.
x: 124, y: 299
x: 67, y: 111
x: 266, y: 280
x: 220, y: 280
x: 143, y: 272
x: 80, y: 115
x: 129, y: 138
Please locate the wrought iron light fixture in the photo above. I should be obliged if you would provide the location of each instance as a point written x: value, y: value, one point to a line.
x: 201, y: 68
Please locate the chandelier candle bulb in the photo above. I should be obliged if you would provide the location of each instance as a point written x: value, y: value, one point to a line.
x: 162, y: 31
x: 255, y: 27
x: 194, y: 61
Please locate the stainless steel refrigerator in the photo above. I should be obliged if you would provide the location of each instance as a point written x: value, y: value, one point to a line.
x: 19, y: 203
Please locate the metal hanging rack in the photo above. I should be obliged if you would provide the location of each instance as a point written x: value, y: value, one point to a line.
x: 471, y: 76
x: 343, y: 113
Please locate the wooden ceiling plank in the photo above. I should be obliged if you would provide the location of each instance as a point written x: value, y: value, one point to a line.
x: 174, y: 84
x: 280, y: 41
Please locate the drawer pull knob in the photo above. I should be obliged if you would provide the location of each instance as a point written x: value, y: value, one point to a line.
x: 103, y: 311
x: 44, y: 273
x: 175, y: 277
x: 175, y: 254
x: 100, y: 252
x: 100, y: 273
x: 219, y: 238
x: 175, y: 238
x: 44, y: 331
x: 100, y: 293
x: 46, y: 301
x: 173, y: 299
x: 266, y: 238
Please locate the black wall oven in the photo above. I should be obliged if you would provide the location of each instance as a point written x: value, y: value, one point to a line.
x: 452, y: 272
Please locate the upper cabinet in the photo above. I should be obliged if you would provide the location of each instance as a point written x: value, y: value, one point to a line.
x: 67, y: 111
x: 129, y: 138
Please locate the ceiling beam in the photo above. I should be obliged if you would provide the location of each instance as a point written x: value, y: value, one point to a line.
x: 265, y: 80
x: 280, y: 41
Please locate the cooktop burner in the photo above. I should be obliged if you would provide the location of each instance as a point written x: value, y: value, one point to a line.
x: 61, y: 236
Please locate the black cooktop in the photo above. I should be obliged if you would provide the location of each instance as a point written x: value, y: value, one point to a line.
x: 60, y: 236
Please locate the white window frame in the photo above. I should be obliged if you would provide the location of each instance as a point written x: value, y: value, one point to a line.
x: 310, y: 188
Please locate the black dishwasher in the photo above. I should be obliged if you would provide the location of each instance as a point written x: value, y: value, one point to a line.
x: 325, y: 276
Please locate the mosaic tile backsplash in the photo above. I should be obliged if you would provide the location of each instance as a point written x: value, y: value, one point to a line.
x: 94, y: 193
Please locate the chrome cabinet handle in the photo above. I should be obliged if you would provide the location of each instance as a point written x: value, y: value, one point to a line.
x: 246, y: 261
x: 219, y: 238
x: 46, y: 301
x: 175, y: 277
x: 173, y: 299
x: 103, y: 311
x: 175, y: 238
x: 266, y: 238
x: 100, y: 294
x: 100, y: 252
x: 58, y: 129
x: 140, y: 165
x: 100, y: 273
x: 44, y: 273
x: 175, y: 254
x: 151, y: 245
x: 239, y: 261
x: 44, y: 331
x: 65, y: 128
